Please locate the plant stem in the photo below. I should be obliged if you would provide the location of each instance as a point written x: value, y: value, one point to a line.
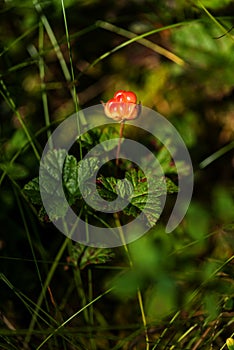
x: 119, y: 144
x: 118, y: 224
x: 139, y: 294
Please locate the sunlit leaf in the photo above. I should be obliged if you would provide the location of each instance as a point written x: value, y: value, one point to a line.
x: 215, y: 4
x: 145, y: 198
x: 32, y: 191
x: 135, y: 189
x: 51, y: 171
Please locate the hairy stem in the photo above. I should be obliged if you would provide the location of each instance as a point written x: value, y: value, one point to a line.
x: 119, y: 144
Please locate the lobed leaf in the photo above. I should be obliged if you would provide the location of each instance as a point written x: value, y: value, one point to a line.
x: 51, y: 176
x: 135, y: 188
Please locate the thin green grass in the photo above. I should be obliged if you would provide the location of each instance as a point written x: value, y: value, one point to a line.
x: 213, y: 157
x: 30, y: 241
x: 81, y: 117
x: 9, y: 100
x: 134, y: 38
x: 43, y: 84
x: 141, y: 40
x: 73, y: 316
x: 216, y: 21
x: 44, y: 291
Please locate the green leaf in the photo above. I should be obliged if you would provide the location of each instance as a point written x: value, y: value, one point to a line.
x: 83, y: 256
x: 57, y: 166
x: 70, y: 175
x: 86, y: 171
x: 14, y: 170
x: 135, y: 189
x: 216, y: 4
x: 145, y: 198
x: 196, y: 44
x: 51, y: 171
x: 124, y: 188
x: 171, y: 187
x: 32, y: 191
x: 91, y: 138
x: 97, y: 136
x: 107, y: 187
x: 17, y: 141
x: 109, y: 133
x: 165, y: 160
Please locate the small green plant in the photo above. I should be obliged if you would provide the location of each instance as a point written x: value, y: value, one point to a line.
x: 109, y: 187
